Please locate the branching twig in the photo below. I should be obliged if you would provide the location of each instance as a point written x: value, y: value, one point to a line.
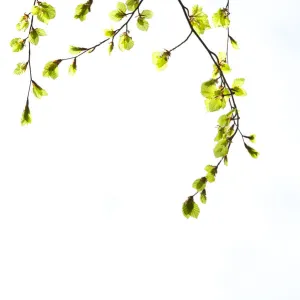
x: 131, y: 14
x: 216, y: 62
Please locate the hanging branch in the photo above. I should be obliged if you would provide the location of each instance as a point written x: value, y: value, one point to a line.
x: 217, y: 91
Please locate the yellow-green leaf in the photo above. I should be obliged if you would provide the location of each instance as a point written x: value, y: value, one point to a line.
x: 190, y: 208
x: 44, y: 12
x: 51, y: 69
x: 125, y: 42
x: 147, y: 14
x: 33, y: 37
x: 142, y: 24
x: 73, y: 67
x: 109, y: 32
x: 199, y: 184
x: 76, y: 50
x: 110, y: 48
x: 160, y: 59
x: 17, y: 44
x: 132, y: 4
x: 26, y: 116
x: 203, y: 196
x: 221, y: 148
x: 208, y: 88
x: 82, y: 10
x: 221, y: 18
x: 234, y: 43
x: 21, y: 68
x: 118, y: 14
x: 237, y: 87
x: 38, y: 91
x: 23, y: 23
x: 251, y: 151
x: 251, y: 137
x: 199, y: 20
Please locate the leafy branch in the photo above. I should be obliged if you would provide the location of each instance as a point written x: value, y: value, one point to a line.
x: 43, y: 12
x: 216, y: 99
x: 125, y: 41
x: 216, y: 91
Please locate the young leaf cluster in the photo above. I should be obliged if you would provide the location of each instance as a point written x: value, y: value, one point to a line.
x: 160, y: 59
x: 221, y: 18
x: 199, y: 20
x: 218, y: 94
x: 123, y: 10
x: 43, y: 12
x: 51, y: 69
x: 82, y: 10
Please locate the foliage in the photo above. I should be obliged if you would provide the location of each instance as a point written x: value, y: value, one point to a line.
x: 218, y: 94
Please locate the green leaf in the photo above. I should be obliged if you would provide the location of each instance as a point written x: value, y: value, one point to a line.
x: 236, y: 87
x: 210, y: 177
x: 76, y: 50
x: 26, y: 116
x: 190, y: 208
x: 203, y: 196
x: 23, y: 23
x: 110, y: 48
x: 234, y: 43
x: 211, y: 172
x: 199, y: 20
x: 220, y: 134
x: 121, y: 6
x: 44, y: 12
x: 160, y: 59
x: 214, y: 104
x: 132, y: 4
x: 225, y: 68
x: 147, y: 14
x: 17, y: 44
x: 109, y: 32
x: 239, y: 91
x: 91, y: 50
x: 118, y: 14
x: 142, y: 24
x: 224, y: 120
x: 251, y: 137
x: 252, y: 151
x: 125, y: 42
x: 73, y: 67
x: 33, y: 37
x: 226, y: 160
x: 221, y: 18
x: 211, y: 169
x: 38, y: 91
x: 41, y: 32
x: 82, y: 10
x: 230, y: 131
x: 51, y: 69
x: 222, y: 64
x: 238, y: 82
x: 21, y: 68
x: 208, y: 88
x: 199, y: 184
x: 221, y: 148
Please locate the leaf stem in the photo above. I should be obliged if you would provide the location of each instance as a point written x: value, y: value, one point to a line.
x: 182, y: 42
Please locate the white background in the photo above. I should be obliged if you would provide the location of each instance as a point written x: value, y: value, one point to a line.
x: 91, y: 192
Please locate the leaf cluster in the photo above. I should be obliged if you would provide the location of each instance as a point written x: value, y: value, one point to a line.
x: 217, y: 93
x: 82, y: 10
x: 43, y: 11
x: 199, y: 20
